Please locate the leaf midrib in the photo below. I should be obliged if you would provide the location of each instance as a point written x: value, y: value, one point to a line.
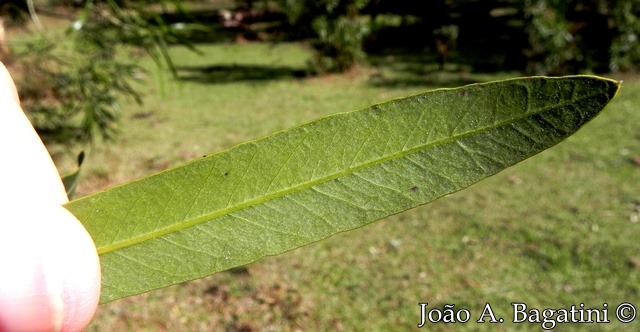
x: 306, y: 185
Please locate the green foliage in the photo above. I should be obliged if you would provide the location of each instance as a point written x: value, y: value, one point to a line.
x: 71, y: 84
x: 551, y: 43
x: 339, y: 44
x: 562, y: 36
x: 328, y: 176
x: 72, y: 93
x: 73, y: 97
x: 337, y: 28
x: 573, y: 36
x: 625, y: 48
x: 107, y: 27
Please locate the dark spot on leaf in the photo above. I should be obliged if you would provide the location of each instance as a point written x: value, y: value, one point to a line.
x: 464, y: 93
x: 415, y: 189
x: 226, y: 173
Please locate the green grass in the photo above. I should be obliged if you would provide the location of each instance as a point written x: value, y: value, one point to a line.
x: 557, y: 230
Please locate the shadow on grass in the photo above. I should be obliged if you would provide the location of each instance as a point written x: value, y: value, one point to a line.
x: 403, y: 69
x: 394, y: 69
x: 220, y: 74
x: 400, y: 68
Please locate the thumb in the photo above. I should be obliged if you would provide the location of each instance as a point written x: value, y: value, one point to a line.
x: 50, y: 276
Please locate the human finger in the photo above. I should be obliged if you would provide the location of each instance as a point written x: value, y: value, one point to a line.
x: 50, y: 276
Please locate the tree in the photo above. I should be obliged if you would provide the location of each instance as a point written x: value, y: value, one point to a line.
x: 337, y: 28
x: 71, y: 93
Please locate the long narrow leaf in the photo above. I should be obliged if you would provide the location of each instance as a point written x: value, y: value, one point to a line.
x: 335, y: 174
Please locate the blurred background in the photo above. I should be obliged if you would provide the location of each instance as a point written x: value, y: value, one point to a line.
x: 141, y: 86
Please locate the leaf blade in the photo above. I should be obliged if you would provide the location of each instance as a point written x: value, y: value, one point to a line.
x: 338, y: 173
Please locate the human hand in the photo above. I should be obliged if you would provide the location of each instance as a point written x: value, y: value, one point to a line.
x: 49, y: 269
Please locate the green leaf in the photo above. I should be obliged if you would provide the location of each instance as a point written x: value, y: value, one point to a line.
x: 331, y: 175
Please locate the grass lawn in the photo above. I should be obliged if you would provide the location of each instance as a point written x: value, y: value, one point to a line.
x: 556, y: 230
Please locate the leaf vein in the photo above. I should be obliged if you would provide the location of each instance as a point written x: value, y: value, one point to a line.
x: 334, y: 175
